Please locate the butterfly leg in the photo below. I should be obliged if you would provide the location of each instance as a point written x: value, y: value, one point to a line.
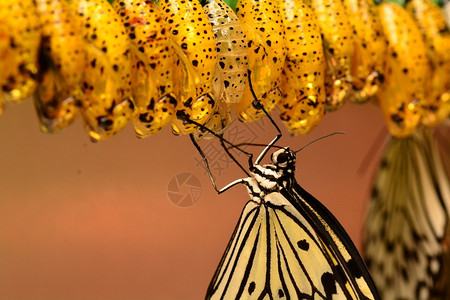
x: 250, y: 158
x: 208, y: 169
x: 182, y: 116
x: 258, y: 105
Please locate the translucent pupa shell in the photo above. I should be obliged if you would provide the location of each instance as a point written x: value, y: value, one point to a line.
x: 152, y: 60
x: 337, y: 36
x: 106, y: 104
x: 195, y: 47
x: 406, y: 70
x: 218, y: 122
x: 230, y: 78
x: 20, y: 37
x: 266, y: 39
x: 370, y: 48
x: 62, y: 61
x: 431, y: 22
x: 303, y: 103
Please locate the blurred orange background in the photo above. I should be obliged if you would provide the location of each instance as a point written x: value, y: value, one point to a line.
x: 80, y: 220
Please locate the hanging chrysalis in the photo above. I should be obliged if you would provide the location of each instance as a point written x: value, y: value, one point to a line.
x: 152, y: 60
x: 62, y: 61
x: 106, y: 104
x: 266, y: 39
x: 406, y: 70
x: 303, y: 103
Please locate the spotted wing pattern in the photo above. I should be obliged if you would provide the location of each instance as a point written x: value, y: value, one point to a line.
x: 283, y: 248
x: 407, y: 236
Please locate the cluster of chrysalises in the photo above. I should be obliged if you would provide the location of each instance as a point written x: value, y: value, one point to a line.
x: 417, y: 62
x: 73, y: 56
x: 180, y: 63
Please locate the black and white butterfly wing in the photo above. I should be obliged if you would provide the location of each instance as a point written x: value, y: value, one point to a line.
x: 350, y: 267
x: 407, y: 238
x: 279, y: 252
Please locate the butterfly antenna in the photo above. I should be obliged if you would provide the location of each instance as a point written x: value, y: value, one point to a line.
x: 258, y: 105
x: 256, y: 144
x: 318, y: 139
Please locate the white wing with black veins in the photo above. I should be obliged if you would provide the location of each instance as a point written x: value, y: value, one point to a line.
x: 407, y: 238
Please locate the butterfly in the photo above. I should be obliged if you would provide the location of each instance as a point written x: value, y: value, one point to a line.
x: 407, y: 236
x: 286, y: 245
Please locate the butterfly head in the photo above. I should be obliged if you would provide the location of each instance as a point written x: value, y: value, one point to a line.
x: 284, y: 158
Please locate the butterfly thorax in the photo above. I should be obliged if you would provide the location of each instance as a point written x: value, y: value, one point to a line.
x: 270, y: 178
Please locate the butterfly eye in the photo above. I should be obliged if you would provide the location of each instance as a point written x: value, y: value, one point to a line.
x: 282, y: 158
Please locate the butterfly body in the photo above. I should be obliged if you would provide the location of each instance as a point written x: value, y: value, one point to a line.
x: 287, y: 245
